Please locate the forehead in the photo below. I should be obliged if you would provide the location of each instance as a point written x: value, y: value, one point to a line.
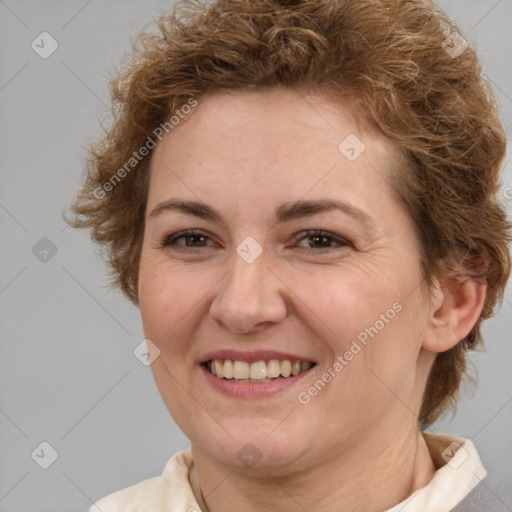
x: 277, y: 144
x: 269, y: 119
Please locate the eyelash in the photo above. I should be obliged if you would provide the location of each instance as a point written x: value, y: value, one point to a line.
x: 170, y: 241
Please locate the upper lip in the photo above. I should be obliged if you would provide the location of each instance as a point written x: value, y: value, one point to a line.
x: 253, y: 356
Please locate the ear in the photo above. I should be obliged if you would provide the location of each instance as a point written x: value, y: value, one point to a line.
x: 455, y: 308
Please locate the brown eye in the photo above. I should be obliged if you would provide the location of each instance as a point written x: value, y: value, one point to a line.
x: 190, y: 238
x: 317, y: 239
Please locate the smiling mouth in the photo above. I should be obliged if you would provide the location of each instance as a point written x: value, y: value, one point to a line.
x: 258, y: 371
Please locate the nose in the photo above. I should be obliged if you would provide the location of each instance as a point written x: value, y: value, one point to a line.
x: 251, y: 297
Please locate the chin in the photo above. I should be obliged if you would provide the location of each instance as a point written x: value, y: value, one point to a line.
x: 254, y: 446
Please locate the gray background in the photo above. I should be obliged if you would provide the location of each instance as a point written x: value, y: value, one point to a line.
x: 68, y: 373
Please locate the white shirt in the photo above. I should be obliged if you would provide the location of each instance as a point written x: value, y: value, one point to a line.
x: 460, y: 471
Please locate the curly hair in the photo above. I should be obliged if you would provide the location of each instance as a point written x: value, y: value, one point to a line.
x: 405, y: 67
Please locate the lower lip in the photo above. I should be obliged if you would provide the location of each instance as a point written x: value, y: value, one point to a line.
x: 235, y: 389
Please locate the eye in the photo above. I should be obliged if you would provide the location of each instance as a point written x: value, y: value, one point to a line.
x: 189, y: 238
x: 319, y: 239
x: 315, y: 239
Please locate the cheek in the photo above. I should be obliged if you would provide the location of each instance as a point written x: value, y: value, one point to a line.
x: 369, y: 318
x: 166, y: 296
x: 173, y: 300
x: 340, y: 300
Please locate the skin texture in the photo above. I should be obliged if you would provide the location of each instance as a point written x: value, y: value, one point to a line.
x: 356, y: 442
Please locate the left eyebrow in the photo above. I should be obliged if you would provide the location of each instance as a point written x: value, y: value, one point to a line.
x: 300, y: 209
x: 284, y: 213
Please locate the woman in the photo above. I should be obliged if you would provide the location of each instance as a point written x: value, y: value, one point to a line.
x: 300, y: 196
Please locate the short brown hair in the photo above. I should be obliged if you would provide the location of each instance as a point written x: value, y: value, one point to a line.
x: 393, y: 59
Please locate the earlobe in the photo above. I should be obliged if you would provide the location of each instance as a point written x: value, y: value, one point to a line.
x: 455, y: 309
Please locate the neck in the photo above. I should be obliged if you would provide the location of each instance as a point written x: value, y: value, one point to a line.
x: 375, y: 476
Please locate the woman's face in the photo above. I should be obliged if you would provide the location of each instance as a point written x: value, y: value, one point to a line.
x: 300, y: 252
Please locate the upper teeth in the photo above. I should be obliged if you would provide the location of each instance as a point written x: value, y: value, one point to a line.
x: 258, y: 370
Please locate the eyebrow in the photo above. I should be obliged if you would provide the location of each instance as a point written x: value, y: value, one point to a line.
x: 284, y: 213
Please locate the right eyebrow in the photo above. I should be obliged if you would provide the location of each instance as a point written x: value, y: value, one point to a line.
x: 199, y: 209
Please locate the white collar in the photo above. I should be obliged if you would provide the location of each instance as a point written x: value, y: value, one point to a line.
x: 460, y: 473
